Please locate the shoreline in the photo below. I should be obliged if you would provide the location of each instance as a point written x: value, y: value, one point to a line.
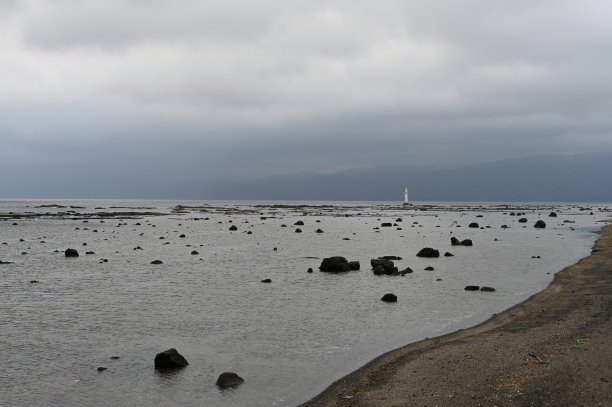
x: 551, y: 349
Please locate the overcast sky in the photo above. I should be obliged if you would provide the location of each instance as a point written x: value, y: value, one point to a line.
x: 143, y: 95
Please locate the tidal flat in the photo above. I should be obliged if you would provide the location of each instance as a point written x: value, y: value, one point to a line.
x: 289, y: 338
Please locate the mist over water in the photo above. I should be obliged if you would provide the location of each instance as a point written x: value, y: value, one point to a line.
x: 288, y: 339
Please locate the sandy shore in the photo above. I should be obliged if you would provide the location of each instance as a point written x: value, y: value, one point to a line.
x: 555, y: 349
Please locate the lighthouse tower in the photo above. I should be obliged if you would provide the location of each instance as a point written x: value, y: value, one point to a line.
x: 406, y: 197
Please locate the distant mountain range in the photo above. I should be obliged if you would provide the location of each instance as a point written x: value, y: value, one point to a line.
x: 552, y: 178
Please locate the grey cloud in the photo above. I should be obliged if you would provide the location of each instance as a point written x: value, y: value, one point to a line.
x: 271, y: 87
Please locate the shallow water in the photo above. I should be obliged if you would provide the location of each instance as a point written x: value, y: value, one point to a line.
x: 288, y: 339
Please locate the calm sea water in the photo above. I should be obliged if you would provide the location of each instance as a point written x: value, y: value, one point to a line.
x: 288, y: 339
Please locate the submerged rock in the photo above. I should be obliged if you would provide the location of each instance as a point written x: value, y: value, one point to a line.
x: 540, y: 224
x: 382, y: 266
x: 336, y: 264
x: 71, y: 253
x: 464, y: 242
x: 428, y: 252
x: 157, y: 262
x: 229, y: 379
x: 170, y: 359
x: 267, y: 280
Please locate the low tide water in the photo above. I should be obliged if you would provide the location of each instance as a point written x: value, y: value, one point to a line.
x: 288, y: 339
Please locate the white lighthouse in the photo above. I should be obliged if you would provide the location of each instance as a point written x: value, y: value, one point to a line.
x: 406, y: 196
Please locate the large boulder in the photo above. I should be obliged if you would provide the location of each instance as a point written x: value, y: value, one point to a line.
x: 428, y: 252
x: 336, y: 264
x: 170, y: 359
x: 71, y: 253
x: 229, y: 379
x: 540, y: 224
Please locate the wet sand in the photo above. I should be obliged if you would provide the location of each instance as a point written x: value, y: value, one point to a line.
x: 554, y: 349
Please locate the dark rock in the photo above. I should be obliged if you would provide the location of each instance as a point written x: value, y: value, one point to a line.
x: 523, y: 220
x: 249, y: 233
x: 318, y: 231
x: 383, y: 266
x: 229, y: 379
x: 487, y: 289
x: 114, y: 357
x: 336, y: 264
x: 474, y: 225
x: 472, y: 288
x: 194, y: 252
x: 267, y: 280
x: 465, y: 242
x: 71, y: 253
x: 182, y: 236
x: 170, y: 359
x: 428, y: 252
x: 354, y: 265
x: 379, y: 270
x: 552, y: 215
x: 33, y: 281
x: 540, y: 224
x: 310, y: 269
x: 429, y: 268
x: 90, y: 252
x: 299, y: 223
x: 398, y: 220
x: 405, y: 271
x: 390, y: 257
x: 101, y: 369
x: 386, y: 225
x: 157, y: 262
x: 298, y: 230
x: 6, y: 262
x: 233, y: 227
x: 389, y: 297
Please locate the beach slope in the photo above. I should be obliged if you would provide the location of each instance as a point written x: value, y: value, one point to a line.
x: 554, y: 349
